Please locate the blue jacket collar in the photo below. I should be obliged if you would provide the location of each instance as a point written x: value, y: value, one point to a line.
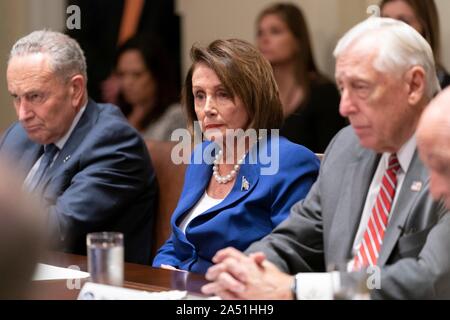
x: 198, y: 179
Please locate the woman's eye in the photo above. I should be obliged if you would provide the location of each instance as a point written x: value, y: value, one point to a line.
x: 223, y: 94
x: 199, y: 96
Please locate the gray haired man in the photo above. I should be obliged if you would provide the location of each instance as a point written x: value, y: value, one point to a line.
x: 89, y: 166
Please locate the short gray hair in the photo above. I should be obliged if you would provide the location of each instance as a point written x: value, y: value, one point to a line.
x: 399, y: 46
x: 66, y: 58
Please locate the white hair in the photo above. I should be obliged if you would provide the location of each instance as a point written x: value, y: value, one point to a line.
x: 66, y: 58
x: 399, y: 47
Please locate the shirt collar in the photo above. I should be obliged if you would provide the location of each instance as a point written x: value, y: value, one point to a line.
x: 405, y: 154
x: 61, y: 142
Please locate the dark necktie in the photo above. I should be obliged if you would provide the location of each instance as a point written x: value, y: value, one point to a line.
x: 50, y: 151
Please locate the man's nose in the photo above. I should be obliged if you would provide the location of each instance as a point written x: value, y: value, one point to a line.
x: 24, y: 111
x: 346, y: 105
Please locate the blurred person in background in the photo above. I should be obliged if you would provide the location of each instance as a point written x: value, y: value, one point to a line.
x: 433, y: 137
x: 148, y: 95
x: 106, y: 25
x: 21, y: 235
x: 310, y: 100
x: 423, y: 16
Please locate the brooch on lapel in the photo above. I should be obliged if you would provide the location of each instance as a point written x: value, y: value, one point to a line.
x: 245, y: 184
x: 66, y: 158
x: 416, y: 186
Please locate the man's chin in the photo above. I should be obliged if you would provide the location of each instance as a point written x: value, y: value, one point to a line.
x: 38, y: 138
x: 366, y: 142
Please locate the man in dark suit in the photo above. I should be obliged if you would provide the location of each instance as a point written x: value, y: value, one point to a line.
x: 369, y: 214
x: 91, y: 168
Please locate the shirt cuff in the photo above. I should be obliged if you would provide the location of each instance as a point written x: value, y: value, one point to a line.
x: 317, y: 286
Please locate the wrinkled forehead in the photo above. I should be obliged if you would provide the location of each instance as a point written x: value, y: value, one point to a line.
x: 28, y: 72
x: 361, y: 52
x: 356, y: 65
x: 31, y: 64
x: 30, y: 59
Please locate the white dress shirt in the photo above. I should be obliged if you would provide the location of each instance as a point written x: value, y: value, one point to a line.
x: 204, y: 204
x: 323, y: 285
x: 60, y: 144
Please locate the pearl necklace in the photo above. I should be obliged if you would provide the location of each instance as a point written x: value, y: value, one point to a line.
x: 223, y: 180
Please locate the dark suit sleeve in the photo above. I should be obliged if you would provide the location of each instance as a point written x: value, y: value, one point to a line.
x: 4, y: 136
x: 113, y: 175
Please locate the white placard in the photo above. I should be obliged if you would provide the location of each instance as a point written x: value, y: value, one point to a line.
x: 95, y: 291
x: 48, y: 272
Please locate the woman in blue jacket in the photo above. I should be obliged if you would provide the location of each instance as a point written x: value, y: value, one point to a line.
x: 243, y: 180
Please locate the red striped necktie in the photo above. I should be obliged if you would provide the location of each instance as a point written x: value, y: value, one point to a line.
x: 373, y: 236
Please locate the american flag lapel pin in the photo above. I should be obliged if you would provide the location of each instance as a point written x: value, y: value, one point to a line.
x: 245, y: 184
x: 416, y: 186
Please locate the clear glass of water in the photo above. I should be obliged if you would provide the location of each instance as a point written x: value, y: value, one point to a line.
x: 106, y: 257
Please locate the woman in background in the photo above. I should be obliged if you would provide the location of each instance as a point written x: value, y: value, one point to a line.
x: 310, y: 100
x: 147, y: 92
x: 423, y: 16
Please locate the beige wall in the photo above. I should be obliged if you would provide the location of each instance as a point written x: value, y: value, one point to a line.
x: 206, y: 20
x: 18, y: 18
x: 444, y: 10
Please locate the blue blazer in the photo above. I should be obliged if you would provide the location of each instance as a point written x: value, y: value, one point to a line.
x: 244, y: 216
x: 102, y: 180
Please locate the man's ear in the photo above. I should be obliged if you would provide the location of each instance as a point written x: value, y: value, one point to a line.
x: 416, y: 81
x: 77, y: 89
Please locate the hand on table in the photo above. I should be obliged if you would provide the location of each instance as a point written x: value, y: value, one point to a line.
x: 237, y: 276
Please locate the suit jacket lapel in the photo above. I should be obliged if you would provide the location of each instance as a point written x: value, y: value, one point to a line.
x: 87, y: 121
x: 403, y: 205
x: 356, y: 182
x: 195, y: 185
x: 249, y: 171
x: 30, y: 155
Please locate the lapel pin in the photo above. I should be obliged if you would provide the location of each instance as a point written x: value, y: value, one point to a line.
x: 245, y: 184
x: 416, y: 186
x: 66, y: 159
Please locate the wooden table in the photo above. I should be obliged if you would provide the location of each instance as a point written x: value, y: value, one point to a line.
x: 136, y: 277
